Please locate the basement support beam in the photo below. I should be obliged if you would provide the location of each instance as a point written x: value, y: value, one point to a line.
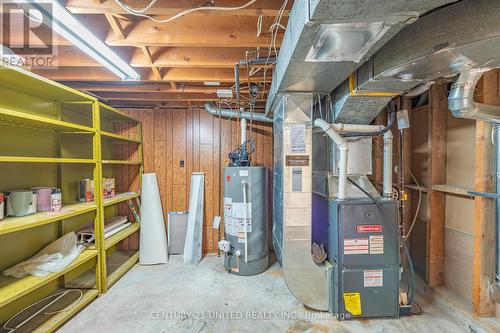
x: 438, y: 109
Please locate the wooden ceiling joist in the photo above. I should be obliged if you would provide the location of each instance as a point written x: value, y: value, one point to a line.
x: 170, y: 75
x: 170, y: 8
x: 71, y: 56
x: 174, y: 59
x: 146, y: 87
x: 206, y: 31
x: 158, y: 97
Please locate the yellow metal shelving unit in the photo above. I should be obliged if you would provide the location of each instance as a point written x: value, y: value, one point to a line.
x: 54, y: 136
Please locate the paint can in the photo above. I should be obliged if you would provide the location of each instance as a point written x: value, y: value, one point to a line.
x: 89, y: 190
x: 42, y: 198
x: 2, y: 206
x: 21, y: 203
x: 56, y: 200
x: 108, y: 185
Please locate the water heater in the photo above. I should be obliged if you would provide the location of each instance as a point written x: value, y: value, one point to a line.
x: 246, y: 220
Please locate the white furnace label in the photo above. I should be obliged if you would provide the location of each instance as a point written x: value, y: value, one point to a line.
x: 376, y: 244
x: 373, y: 278
x: 243, y: 173
x: 298, y: 138
x: 355, y: 246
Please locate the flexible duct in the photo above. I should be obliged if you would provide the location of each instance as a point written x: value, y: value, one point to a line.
x: 235, y: 114
x: 461, y: 98
x: 344, y: 150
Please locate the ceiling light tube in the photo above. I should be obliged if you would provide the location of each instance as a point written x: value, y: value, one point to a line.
x: 66, y: 25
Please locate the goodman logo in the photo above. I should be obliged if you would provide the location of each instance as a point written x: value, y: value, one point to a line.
x: 366, y: 228
x: 27, y: 34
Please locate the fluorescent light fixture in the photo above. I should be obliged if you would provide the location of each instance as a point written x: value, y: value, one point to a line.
x: 224, y: 93
x: 345, y: 41
x: 211, y: 83
x: 66, y: 25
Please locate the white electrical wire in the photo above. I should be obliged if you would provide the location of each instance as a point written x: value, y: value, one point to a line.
x: 259, y: 25
x: 274, y: 28
x: 140, y: 11
x: 183, y: 13
x: 418, y: 206
x: 60, y: 294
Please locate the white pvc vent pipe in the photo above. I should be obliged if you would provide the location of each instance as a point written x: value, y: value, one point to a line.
x: 335, y: 129
x: 344, y: 150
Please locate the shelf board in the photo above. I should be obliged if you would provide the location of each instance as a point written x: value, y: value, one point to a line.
x: 120, y: 197
x: 119, y: 138
x: 35, y: 121
x: 12, y: 289
x: 12, y: 224
x: 60, y: 318
x: 453, y: 189
x: 113, y: 114
x: 116, y: 238
x: 121, y: 162
x: 123, y: 262
x: 21, y: 159
x: 49, y: 90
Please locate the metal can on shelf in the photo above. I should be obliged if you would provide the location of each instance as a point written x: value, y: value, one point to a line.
x: 56, y: 200
x: 2, y: 206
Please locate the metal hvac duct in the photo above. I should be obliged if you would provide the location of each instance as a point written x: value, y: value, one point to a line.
x: 326, y: 40
x: 462, y: 38
x: 259, y: 117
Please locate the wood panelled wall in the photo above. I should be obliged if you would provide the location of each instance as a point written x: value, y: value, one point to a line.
x: 202, y: 142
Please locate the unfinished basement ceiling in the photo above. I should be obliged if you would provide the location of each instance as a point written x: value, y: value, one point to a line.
x: 174, y: 59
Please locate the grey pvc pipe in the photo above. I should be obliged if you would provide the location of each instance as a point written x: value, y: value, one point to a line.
x: 259, y: 117
x: 259, y: 61
x: 237, y: 83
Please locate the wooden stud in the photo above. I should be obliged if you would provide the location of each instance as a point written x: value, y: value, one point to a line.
x: 438, y: 108
x: 484, y: 226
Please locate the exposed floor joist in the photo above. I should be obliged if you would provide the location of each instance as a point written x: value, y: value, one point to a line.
x: 202, y: 46
x: 169, y: 8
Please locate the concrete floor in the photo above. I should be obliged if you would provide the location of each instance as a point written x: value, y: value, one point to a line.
x: 180, y: 298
